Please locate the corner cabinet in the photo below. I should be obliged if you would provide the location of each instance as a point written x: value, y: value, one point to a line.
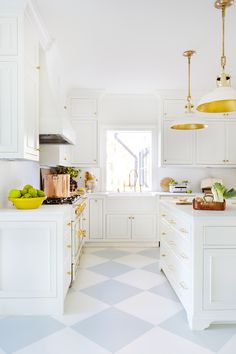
x: 19, y: 79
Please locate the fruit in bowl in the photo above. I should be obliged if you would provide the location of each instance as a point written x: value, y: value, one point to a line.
x: 26, y: 198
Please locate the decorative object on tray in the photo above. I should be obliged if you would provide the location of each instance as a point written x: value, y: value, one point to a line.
x: 90, y: 182
x: 26, y: 198
x: 216, y: 200
x: 73, y: 172
x: 164, y: 183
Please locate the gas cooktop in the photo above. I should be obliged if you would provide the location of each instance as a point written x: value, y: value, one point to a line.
x: 66, y: 200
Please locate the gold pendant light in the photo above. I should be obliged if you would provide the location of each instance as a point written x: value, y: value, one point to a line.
x: 188, y: 124
x: 223, y: 98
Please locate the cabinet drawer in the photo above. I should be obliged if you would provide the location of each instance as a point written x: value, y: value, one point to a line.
x: 180, y: 225
x: 220, y: 235
x: 179, y: 272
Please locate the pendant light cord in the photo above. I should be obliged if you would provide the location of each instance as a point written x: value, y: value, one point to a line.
x: 189, y: 73
x: 223, y: 57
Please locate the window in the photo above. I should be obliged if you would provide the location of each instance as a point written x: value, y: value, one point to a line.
x: 129, y: 160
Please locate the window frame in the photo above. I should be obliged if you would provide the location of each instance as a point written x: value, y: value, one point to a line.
x: 103, y: 160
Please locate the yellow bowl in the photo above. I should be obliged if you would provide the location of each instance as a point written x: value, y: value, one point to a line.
x: 27, y: 203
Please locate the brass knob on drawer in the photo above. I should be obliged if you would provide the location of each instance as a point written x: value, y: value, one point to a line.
x: 37, y: 67
x: 163, y: 215
x: 68, y: 246
x: 183, y: 285
x: 68, y: 224
x: 84, y: 219
x: 163, y: 233
x: 68, y: 273
x: 163, y: 255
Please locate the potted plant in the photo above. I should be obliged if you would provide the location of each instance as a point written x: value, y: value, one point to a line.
x: 73, y: 172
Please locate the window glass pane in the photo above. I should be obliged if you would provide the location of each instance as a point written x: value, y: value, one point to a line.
x: 129, y: 160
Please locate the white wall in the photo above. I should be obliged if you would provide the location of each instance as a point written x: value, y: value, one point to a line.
x: 15, y: 174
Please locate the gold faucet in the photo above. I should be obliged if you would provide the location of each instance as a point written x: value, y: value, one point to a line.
x: 135, y: 172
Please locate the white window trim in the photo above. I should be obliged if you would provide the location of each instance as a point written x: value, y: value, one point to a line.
x: 103, y: 131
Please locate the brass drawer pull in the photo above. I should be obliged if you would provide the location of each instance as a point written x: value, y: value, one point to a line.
x: 163, y: 233
x: 163, y: 255
x: 183, y: 285
x: 163, y: 215
x: 68, y: 273
x: 184, y: 256
x: 68, y: 246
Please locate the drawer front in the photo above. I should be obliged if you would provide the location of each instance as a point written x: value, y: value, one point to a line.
x: 180, y: 225
x: 179, y: 272
x: 220, y: 235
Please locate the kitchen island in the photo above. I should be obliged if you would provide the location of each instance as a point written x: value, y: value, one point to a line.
x: 35, y: 260
x: 198, y: 256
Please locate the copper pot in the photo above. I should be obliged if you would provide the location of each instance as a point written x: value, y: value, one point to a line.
x: 56, y: 186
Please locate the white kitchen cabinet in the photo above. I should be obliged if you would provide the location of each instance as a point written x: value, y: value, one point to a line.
x: 8, y: 36
x: 54, y: 155
x: 36, y: 260
x: 231, y: 143
x: 83, y: 107
x: 85, y: 151
x: 96, y: 218
x: 118, y: 227
x: 143, y: 227
x: 177, y: 145
x: 210, y: 144
x: 19, y: 79
x: 218, y: 264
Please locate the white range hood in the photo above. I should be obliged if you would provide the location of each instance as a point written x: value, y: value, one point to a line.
x: 54, y: 124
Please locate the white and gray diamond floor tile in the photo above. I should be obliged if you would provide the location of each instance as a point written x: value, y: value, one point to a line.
x: 141, y: 279
x: 150, y: 307
x: 66, y: 341
x: 158, y: 341
x: 135, y: 260
x: 212, y: 338
x: 110, y: 268
x: 112, y: 329
x: 111, y: 291
x: 131, y: 309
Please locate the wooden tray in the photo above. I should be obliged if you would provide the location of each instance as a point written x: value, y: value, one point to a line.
x: 203, y: 205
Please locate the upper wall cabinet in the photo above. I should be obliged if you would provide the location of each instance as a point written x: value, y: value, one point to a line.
x: 83, y: 107
x: 19, y: 77
x: 8, y: 36
x: 213, y: 146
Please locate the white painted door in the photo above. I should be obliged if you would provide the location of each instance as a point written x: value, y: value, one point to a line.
x: 210, y: 144
x: 28, y: 259
x: 83, y: 107
x: 231, y: 143
x: 219, y: 276
x: 143, y: 227
x: 8, y: 108
x: 118, y: 227
x: 177, y: 146
x: 96, y: 219
x: 86, y: 149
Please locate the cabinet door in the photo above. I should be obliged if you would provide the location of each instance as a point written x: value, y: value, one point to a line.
x: 28, y: 259
x: 86, y: 149
x: 143, y: 227
x: 8, y: 108
x: 219, y: 279
x: 174, y: 107
x: 31, y: 92
x: 8, y: 36
x: 177, y: 146
x: 84, y: 107
x: 210, y: 144
x: 231, y: 143
x: 96, y: 218
x: 118, y: 227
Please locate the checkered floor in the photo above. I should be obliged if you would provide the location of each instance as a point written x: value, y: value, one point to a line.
x: 120, y: 303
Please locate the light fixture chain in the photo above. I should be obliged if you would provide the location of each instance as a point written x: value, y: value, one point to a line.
x: 189, y: 78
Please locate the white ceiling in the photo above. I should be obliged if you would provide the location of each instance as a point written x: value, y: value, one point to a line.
x: 137, y: 45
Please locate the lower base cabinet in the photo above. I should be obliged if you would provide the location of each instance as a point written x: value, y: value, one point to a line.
x: 130, y: 227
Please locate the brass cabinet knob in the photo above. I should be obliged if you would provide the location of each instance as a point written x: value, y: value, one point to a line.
x: 68, y: 273
x: 68, y: 224
x: 68, y: 246
x: 65, y: 158
x: 163, y: 255
x: 37, y: 67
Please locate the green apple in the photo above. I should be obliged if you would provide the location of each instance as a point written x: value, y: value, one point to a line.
x: 14, y: 193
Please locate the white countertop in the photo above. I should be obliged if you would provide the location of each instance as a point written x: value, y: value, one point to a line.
x: 230, y: 210
x: 43, y: 209
x: 140, y: 194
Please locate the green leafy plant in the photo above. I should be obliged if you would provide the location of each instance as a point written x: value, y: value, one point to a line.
x: 73, y: 172
x: 173, y: 182
x: 220, y: 192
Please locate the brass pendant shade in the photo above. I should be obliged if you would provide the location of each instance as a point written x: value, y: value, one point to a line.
x: 188, y: 123
x: 223, y: 98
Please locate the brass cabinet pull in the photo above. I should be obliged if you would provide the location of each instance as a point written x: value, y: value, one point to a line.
x: 37, y: 67
x: 68, y: 224
x: 84, y: 219
x: 68, y: 273
x: 163, y: 233
x: 183, y: 285
x: 68, y: 246
x: 163, y: 255
x: 163, y: 215
x: 65, y: 158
